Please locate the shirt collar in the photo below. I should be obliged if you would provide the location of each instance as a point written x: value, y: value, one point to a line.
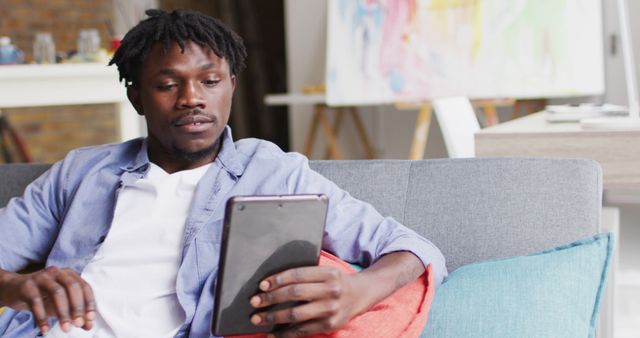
x: 140, y: 161
x: 228, y: 156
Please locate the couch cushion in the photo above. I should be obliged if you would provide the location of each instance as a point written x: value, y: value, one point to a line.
x: 555, y: 293
x: 484, y: 208
x: 15, y: 177
x: 383, y: 183
x: 480, y: 208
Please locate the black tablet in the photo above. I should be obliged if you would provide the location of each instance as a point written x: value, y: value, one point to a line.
x: 263, y: 235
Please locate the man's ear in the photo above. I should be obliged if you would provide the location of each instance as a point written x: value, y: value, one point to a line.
x: 233, y: 82
x: 134, y: 97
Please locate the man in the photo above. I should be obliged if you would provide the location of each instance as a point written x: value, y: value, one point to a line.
x: 130, y: 232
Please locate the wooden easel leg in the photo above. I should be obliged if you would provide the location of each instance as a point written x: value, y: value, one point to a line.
x: 311, y: 135
x: 337, y: 124
x: 529, y: 106
x: 362, y: 132
x: 328, y: 134
x: 490, y: 115
x: 517, y: 107
x: 421, y: 133
x: 534, y: 106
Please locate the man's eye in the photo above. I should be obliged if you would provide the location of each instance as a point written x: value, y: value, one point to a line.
x: 166, y: 86
x: 210, y: 83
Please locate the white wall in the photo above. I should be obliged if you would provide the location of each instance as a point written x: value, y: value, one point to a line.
x: 615, y: 81
x: 127, y: 13
x: 305, y: 42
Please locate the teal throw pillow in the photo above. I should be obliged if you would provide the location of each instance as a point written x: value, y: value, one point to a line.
x: 555, y: 293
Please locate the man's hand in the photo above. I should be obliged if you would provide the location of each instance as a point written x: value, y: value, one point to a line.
x: 52, y: 292
x: 332, y: 297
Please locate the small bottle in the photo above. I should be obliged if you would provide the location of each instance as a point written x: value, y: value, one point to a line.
x: 88, y: 44
x: 9, y: 54
x: 44, y: 50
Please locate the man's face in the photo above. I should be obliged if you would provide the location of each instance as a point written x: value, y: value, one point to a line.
x: 186, y: 100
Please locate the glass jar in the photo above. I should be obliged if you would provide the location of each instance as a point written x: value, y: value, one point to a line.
x: 88, y: 44
x: 44, y: 50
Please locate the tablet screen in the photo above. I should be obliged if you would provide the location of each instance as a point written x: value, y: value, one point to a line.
x: 263, y: 235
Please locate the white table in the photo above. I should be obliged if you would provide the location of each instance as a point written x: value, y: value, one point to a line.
x: 69, y: 84
x: 617, y: 151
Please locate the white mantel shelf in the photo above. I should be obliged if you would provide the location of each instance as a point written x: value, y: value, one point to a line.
x: 69, y: 84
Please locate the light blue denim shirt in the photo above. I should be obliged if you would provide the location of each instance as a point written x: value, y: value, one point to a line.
x: 65, y: 215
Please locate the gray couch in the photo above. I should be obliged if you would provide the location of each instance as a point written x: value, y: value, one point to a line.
x: 472, y: 209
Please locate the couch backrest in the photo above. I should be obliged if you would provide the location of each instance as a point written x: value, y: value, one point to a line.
x: 472, y: 209
x: 15, y: 177
x: 480, y: 208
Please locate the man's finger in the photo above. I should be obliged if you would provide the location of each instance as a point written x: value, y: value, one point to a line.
x: 73, y: 287
x: 89, y: 305
x: 55, y: 293
x: 29, y: 291
x: 297, y: 314
x: 88, y: 301
x: 310, y: 274
x: 296, y: 292
x: 88, y: 325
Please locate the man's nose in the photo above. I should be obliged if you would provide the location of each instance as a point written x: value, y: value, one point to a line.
x: 190, y: 96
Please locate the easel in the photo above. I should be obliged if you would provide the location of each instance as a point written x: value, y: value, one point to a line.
x: 320, y: 120
x: 528, y: 105
x: 421, y: 130
x: 489, y: 110
x: 488, y: 106
x: 315, y: 96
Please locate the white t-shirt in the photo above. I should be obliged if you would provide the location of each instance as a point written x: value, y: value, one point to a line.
x: 133, y: 274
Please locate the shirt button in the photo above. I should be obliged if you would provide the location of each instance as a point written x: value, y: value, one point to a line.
x: 101, y: 239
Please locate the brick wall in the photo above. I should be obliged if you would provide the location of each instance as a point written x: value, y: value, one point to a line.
x: 21, y: 19
x: 50, y: 132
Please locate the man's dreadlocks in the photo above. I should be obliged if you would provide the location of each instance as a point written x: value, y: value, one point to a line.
x: 178, y: 26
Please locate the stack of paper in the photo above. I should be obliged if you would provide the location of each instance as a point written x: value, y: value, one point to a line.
x: 575, y: 113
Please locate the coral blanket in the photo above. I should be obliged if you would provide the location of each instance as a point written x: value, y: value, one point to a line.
x: 403, y: 314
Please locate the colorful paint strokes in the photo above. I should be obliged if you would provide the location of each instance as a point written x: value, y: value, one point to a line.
x: 385, y: 51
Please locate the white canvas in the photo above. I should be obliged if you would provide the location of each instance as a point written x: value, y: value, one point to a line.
x: 385, y: 51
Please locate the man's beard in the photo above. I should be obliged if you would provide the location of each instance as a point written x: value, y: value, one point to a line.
x: 197, y: 155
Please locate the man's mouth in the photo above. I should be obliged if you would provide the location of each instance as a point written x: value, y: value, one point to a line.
x: 194, y: 123
x: 193, y: 120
